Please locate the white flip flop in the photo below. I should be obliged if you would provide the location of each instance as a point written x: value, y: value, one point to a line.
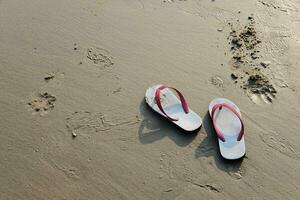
x: 162, y: 100
x: 229, y: 127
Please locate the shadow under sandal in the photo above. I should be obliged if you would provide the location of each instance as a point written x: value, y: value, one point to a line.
x: 227, y: 122
x: 162, y: 100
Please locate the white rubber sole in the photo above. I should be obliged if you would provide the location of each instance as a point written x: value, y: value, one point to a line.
x: 230, y: 126
x: 172, y: 106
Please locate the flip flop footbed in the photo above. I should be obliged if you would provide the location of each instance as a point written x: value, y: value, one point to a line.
x: 172, y: 106
x: 230, y: 126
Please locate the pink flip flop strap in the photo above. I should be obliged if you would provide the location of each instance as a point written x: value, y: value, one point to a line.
x: 182, y: 99
x: 220, y: 135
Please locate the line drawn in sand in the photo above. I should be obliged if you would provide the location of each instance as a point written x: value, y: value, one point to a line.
x: 280, y: 144
x: 283, y: 6
x: 53, y: 75
x: 166, y: 166
x: 71, y: 172
x: 209, y: 187
x: 85, y: 123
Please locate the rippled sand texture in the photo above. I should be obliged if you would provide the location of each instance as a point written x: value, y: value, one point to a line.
x: 74, y: 124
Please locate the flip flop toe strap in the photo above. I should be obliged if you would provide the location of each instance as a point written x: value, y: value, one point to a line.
x: 219, y: 133
x: 158, y: 101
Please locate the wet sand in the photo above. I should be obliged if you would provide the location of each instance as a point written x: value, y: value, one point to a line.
x: 74, y: 123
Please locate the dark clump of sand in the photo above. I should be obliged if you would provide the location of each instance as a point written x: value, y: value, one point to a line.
x: 49, y: 77
x: 247, y: 69
x: 258, y: 84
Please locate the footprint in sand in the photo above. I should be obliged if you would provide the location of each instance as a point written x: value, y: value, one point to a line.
x: 86, y: 123
x: 236, y: 174
x: 72, y: 173
x: 277, y: 142
x: 166, y: 166
x: 188, y: 174
x: 217, y: 82
x: 100, y: 57
x: 43, y: 103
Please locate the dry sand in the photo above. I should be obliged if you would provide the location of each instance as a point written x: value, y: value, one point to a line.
x: 74, y: 124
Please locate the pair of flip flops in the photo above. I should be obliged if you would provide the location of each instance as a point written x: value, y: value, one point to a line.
x: 225, y: 115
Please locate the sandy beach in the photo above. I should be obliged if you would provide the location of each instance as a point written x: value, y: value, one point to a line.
x: 74, y: 122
